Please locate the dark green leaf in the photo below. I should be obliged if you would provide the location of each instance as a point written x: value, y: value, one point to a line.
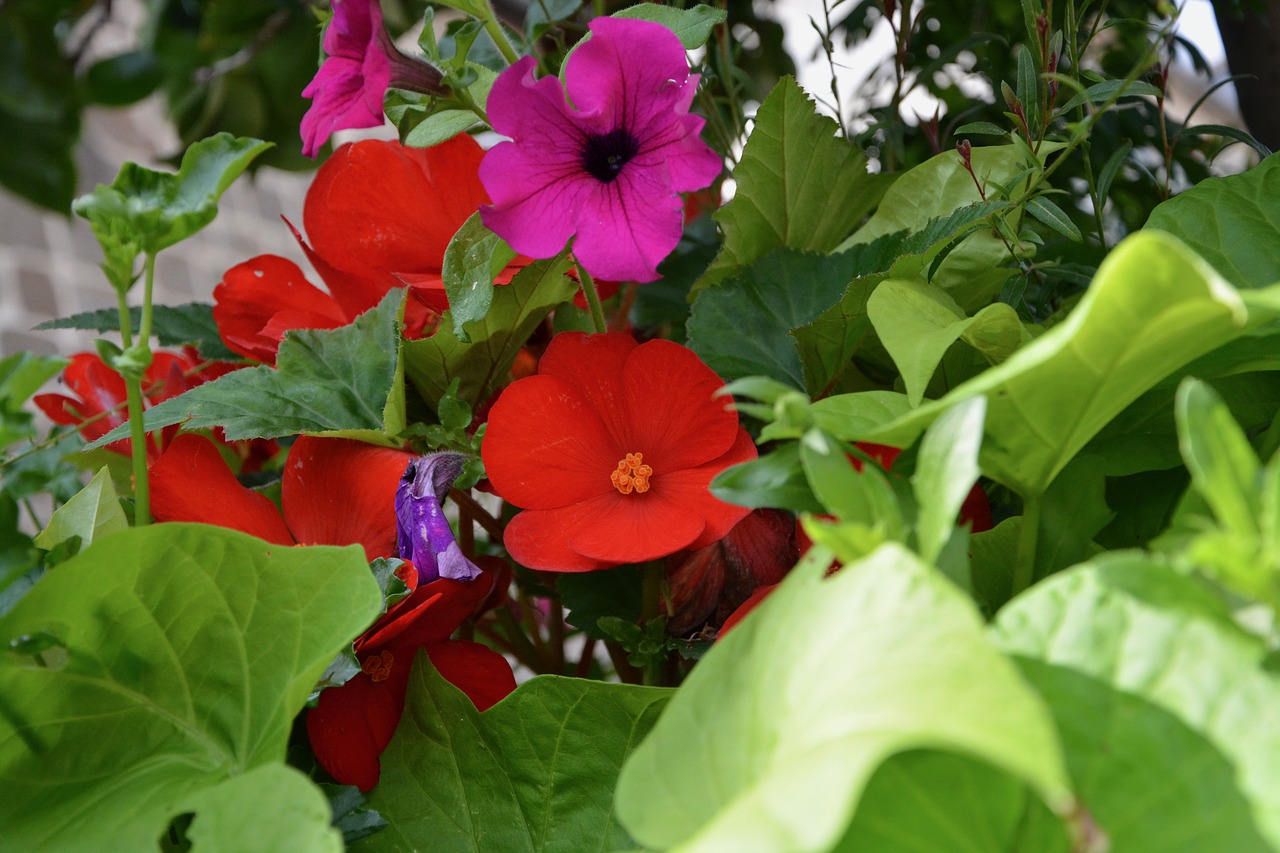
x: 172, y: 325
x: 535, y: 772
x: 1107, y: 90
x: 124, y: 78
x: 692, y: 26
x: 339, y: 381
x: 774, y: 480
x: 590, y: 595
x: 1050, y: 214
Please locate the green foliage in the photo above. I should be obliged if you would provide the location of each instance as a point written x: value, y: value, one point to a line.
x: 472, y: 260
x: 172, y: 325
x: 194, y: 647
x: 21, y: 375
x: 93, y: 512
x: 716, y: 773
x: 692, y: 26
x: 1167, y: 716
x: 343, y: 381
x: 1231, y: 223
x: 535, y: 772
x: 481, y: 366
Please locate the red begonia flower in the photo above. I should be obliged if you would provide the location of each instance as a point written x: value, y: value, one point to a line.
x: 334, y: 491
x: 99, y: 402
x: 378, y: 216
x: 353, y: 722
x: 610, y: 449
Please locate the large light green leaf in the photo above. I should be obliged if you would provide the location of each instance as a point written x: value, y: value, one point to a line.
x: 343, y: 381
x: 481, y: 366
x: 94, y: 511
x: 1170, y: 721
x: 155, y: 665
x: 1231, y: 222
x: 918, y: 323
x: 535, y: 772
x: 771, y: 740
x: 799, y: 185
x: 1153, y: 307
x: 271, y: 808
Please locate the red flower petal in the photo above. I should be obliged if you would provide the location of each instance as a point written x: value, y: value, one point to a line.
x: 191, y: 482
x: 429, y: 615
x: 376, y: 206
x: 545, y: 445
x: 594, y: 365
x: 475, y: 669
x: 337, y: 491
x: 259, y: 300
x: 720, y: 517
x: 351, y: 725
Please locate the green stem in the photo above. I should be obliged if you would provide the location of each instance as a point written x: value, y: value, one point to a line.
x: 494, y: 29
x: 1024, y: 567
x: 651, y: 597
x: 148, y: 284
x: 138, y: 440
x: 593, y: 299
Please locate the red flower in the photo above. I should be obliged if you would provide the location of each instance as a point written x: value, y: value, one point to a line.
x: 379, y: 216
x: 99, y: 402
x: 354, y: 722
x: 610, y: 449
x: 334, y: 491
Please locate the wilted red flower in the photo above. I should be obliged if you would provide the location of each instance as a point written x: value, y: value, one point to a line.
x: 379, y: 216
x: 99, y: 402
x: 354, y: 722
x: 610, y: 450
x: 707, y: 585
x: 334, y: 491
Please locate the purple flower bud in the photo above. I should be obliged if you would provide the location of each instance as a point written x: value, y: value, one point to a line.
x: 423, y: 535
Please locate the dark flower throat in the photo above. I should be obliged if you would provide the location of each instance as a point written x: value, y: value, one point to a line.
x: 604, y: 155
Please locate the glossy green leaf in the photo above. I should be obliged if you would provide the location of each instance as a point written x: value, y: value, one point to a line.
x: 918, y: 323
x: 482, y: 365
x: 1223, y: 466
x: 535, y: 772
x: 770, y: 742
x: 1170, y: 723
x: 172, y: 325
x: 692, y: 26
x: 799, y: 185
x: 864, y: 497
x: 1231, y: 222
x: 152, y: 210
x: 775, y: 479
x: 93, y: 512
x: 1153, y: 307
x: 175, y: 659
x: 472, y: 259
x: 946, y: 469
x: 342, y: 381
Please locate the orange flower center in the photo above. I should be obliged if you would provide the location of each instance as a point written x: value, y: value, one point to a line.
x: 631, y: 475
x: 378, y: 667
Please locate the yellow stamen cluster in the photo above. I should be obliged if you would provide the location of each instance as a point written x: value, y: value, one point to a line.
x: 631, y: 475
x: 378, y: 667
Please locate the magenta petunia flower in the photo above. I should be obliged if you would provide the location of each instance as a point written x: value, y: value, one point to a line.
x: 362, y: 62
x: 608, y: 168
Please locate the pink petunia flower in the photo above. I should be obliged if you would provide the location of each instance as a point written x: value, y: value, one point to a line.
x: 608, y: 169
x: 362, y: 62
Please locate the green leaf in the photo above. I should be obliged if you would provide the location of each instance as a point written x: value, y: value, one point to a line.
x: 745, y: 327
x: 273, y: 807
x: 946, y: 469
x: 918, y: 323
x: 342, y: 381
x: 145, y: 211
x: 771, y: 740
x: 799, y: 185
x: 588, y: 596
x: 439, y: 126
x: 1050, y: 214
x: 1223, y: 466
x: 773, y: 480
x: 482, y: 365
x: 535, y: 772
x: 934, y: 801
x: 692, y: 26
x: 178, y: 657
x: 93, y: 512
x: 123, y: 79
x: 864, y: 497
x: 1153, y: 307
x: 1231, y: 223
x: 1107, y: 90
x: 21, y: 375
x: 1171, y: 725
x: 172, y: 325
x: 473, y: 258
